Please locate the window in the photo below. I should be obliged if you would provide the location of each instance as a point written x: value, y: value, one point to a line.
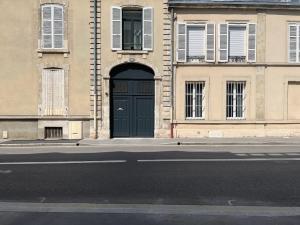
x: 294, y: 43
x: 195, y: 42
x: 237, y: 43
x: 235, y: 100
x: 52, y: 27
x: 53, y: 92
x: 194, y: 100
x: 132, y: 28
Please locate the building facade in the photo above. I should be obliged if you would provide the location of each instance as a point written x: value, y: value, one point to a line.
x: 237, y: 68
x: 149, y: 68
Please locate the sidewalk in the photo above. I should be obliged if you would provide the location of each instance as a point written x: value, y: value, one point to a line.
x: 293, y: 141
x: 193, y: 141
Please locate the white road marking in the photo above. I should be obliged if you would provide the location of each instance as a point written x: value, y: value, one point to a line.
x: 257, y: 154
x: 149, y: 209
x: 293, y: 154
x: 275, y: 154
x: 242, y: 154
x: 5, y: 171
x: 217, y: 160
x: 63, y: 162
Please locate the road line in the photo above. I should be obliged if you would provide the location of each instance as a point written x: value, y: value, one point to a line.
x: 217, y: 160
x: 149, y: 209
x: 63, y: 162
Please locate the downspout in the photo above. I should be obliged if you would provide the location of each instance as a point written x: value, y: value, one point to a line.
x: 172, y: 73
x: 95, y: 70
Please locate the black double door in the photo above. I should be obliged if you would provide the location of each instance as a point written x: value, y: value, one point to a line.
x: 132, y: 108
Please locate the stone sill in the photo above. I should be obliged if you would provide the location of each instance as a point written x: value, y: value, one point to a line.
x: 129, y: 52
x: 53, y: 51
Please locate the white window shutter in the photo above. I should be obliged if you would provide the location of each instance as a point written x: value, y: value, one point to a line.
x: 223, y: 42
x: 251, y: 42
x: 210, y: 43
x: 116, y: 32
x: 293, y: 31
x: 46, y: 26
x: 148, y: 28
x: 181, y: 42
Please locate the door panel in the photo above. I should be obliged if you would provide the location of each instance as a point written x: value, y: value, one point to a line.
x: 132, y: 108
x: 144, y: 116
x: 121, y: 118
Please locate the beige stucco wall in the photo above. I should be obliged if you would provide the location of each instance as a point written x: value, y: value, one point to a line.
x: 21, y: 63
x: 267, y: 80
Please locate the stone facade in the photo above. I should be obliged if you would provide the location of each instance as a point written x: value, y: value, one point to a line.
x: 272, y: 82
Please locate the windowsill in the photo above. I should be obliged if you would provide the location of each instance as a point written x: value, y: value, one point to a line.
x: 55, y: 51
x: 132, y: 52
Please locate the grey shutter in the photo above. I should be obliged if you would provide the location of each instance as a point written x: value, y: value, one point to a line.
x: 251, y: 42
x: 196, y: 41
x: 148, y: 28
x: 223, y: 45
x: 46, y: 26
x: 210, y: 43
x: 237, y: 41
x: 58, y: 26
x: 293, y: 30
x: 181, y: 42
x: 116, y: 35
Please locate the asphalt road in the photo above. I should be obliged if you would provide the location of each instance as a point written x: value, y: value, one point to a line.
x: 185, y: 179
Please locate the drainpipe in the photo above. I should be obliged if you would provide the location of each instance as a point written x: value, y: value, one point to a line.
x: 95, y: 69
x: 172, y: 73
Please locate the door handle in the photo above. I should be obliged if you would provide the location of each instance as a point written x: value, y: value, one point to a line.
x: 120, y: 109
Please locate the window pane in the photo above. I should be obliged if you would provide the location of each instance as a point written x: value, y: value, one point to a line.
x: 132, y: 29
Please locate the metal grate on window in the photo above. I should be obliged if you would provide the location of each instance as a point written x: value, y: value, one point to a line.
x: 53, y: 132
x: 235, y: 100
x: 194, y: 100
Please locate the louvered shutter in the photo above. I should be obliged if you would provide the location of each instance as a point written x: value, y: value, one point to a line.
x: 181, y: 42
x: 251, y: 42
x: 116, y: 36
x: 196, y: 41
x: 293, y: 31
x: 58, y: 92
x: 58, y: 26
x: 46, y: 26
x: 148, y: 28
x: 210, y: 43
x: 223, y: 42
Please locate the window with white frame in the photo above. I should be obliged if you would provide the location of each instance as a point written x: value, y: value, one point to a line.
x: 132, y: 28
x: 195, y: 42
x: 53, y: 92
x: 235, y: 99
x: 294, y: 43
x: 52, y: 26
x: 194, y: 99
x: 237, y: 42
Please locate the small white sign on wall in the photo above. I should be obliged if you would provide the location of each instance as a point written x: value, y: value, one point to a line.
x: 75, y: 130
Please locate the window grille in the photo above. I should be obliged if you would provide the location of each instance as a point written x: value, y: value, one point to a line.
x: 235, y: 100
x: 194, y: 103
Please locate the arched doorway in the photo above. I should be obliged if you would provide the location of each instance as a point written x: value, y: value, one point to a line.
x: 132, y: 101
